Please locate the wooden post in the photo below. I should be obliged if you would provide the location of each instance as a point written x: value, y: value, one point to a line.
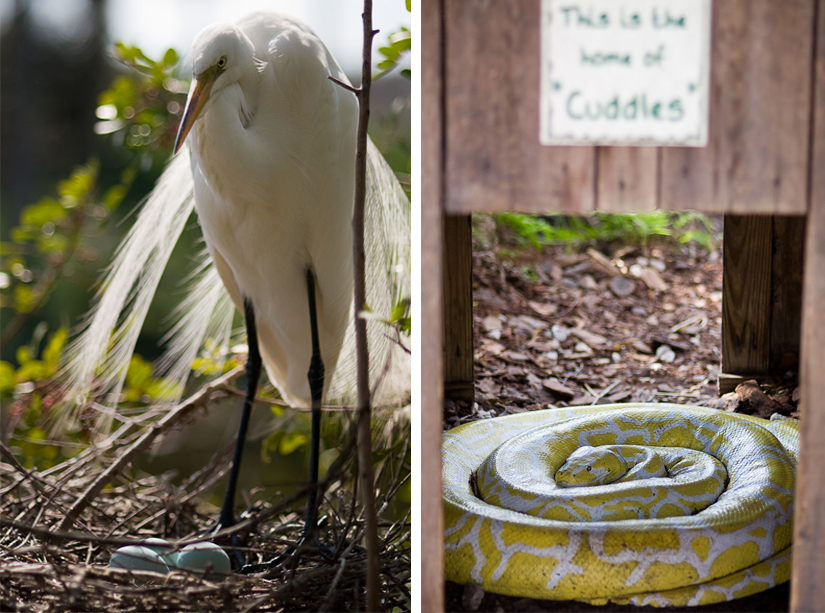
x: 807, y: 586
x: 762, y: 295
x: 458, y: 307
x: 432, y: 206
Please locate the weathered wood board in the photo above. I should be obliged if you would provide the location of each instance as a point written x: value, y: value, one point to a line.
x: 755, y: 162
x: 807, y: 586
x: 431, y: 589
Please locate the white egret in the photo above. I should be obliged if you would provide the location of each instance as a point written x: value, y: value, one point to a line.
x: 271, y: 144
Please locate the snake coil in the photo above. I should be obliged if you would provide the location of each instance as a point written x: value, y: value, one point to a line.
x: 713, y: 524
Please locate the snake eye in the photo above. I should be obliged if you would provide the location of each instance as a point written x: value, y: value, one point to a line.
x: 222, y: 62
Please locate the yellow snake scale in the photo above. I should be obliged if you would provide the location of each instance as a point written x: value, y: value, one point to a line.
x: 737, y: 545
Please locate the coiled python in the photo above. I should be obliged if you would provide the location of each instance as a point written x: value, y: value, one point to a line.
x: 512, y: 529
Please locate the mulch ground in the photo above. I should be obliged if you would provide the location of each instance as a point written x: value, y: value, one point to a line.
x: 566, y: 326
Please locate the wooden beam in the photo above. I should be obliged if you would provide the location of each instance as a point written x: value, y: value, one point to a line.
x: 494, y: 160
x: 762, y: 294
x: 627, y: 178
x: 807, y: 586
x: 746, y: 294
x: 756, y: 159
x: 786, y: 292
x: 457, y: 269
x: 432, y: 205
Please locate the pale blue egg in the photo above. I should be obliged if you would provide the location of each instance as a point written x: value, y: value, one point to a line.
x: 200, y: 557
x: 165, y: 549
x: 138, y: 557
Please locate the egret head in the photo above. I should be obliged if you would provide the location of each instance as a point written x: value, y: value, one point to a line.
x: 220, y: 56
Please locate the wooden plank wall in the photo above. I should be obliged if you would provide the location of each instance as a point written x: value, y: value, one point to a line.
x: 755, y: 161
x: 480, y: 68
x: 431, y: 588
x: 807, y: 586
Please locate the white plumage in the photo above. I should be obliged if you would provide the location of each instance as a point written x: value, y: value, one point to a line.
x: 271, y: 144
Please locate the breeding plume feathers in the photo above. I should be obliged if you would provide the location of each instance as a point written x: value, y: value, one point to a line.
x: 97, y: 360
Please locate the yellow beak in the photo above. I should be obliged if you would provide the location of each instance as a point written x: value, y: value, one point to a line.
x: 198, y: 96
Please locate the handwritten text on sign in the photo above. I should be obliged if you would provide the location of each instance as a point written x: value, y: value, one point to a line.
x: 633, y: 72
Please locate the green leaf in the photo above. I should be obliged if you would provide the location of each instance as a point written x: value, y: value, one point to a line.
x: 7, y: 378
x: 24, y: 299
x: 139, y: 373
x: 170, y: 58
x: 114, y: 196
x: 34, y: 370
x: 292, y: 441
x: 43, y: 211
x: 51, y: 354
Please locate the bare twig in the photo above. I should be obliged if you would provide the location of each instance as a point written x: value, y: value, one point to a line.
x: 359, y: 263
x: 196, y: 401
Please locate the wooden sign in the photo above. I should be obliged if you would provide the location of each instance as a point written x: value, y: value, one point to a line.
x: 625, y: 72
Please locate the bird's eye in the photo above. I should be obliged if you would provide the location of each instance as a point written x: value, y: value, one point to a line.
x: 222, y: 62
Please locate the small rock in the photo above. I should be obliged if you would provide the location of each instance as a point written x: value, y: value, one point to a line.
x: 494, y: 334
x: 616, y: 357
x: 665, y: 354
x: 588, y: 282
x: 490, y: 323
x: 638, y: 310
x: 582, y: 348
x: 652, y: 320
x: 657, y: 264
x: 560, y: 333
x: 637, y: 271
x: 622, y: 286
x: 551, y: 355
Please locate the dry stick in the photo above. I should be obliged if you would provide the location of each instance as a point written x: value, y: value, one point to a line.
x: 195, y: 401
x: 362, y: 356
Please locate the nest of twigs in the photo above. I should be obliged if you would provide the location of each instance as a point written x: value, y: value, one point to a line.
x: 51, y: 563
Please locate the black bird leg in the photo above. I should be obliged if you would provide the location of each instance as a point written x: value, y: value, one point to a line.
x: 253, y: 374
x: 315, y: 375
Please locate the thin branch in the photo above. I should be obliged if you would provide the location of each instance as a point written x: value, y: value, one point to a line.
x: 346, y: 86
x: 196, y: 401
x: 366, y: 472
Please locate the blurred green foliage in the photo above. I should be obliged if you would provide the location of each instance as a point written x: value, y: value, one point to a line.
x: 398, y: 45
x: 625, y: 228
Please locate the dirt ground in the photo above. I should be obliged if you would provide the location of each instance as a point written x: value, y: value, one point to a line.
x: 567, y: 326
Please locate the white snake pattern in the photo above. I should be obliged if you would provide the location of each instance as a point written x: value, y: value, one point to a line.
x: 737, y: 545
